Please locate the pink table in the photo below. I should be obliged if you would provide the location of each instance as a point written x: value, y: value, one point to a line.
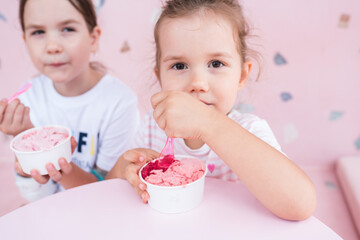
x: 112, y: 210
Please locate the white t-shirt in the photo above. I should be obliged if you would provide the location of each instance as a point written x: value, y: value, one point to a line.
x: 103, y: 120
x: 151, y: 136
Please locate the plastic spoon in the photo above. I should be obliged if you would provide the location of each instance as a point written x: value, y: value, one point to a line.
x: 167, y: 154
x: 21, y: 90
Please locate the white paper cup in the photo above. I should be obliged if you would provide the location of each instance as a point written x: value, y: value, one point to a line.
x: 175, y: 199
x: 39, y: 159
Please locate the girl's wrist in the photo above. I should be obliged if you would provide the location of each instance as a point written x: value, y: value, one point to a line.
x: 211, y: 123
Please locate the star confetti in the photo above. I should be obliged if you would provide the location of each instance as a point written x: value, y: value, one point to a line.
x: 330, y: 184
x: 2, y: 17
x: 285, y: 96
x: 155, y: 15
x: 125, y: 47
x: 335, y: 115
x: 357, y: 143
x: 279, y: 59
x: 344, y: 21
x: 99, y: 4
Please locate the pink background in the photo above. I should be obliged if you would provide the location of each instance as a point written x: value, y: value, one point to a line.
x: 317, y: 126
x: 322, y: 71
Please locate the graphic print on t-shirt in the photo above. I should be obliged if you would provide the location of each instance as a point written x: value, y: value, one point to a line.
x: 86, y: 149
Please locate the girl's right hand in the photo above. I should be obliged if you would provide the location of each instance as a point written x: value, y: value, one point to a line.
x: 128, y: 166
x: 14, y: 117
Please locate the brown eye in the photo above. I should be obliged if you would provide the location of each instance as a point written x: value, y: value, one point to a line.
x: 179, y: 66
x: 216, y: 64
x: 37, y: 32
x: 68, y: 29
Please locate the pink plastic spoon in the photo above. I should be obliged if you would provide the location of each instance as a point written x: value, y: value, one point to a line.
x: 21, y: 90
x: 167, y: 154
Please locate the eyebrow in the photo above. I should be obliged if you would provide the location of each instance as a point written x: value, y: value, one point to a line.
x: 220, y: 54
x: 35, y: 26
x: 211, y: 55
x: 172, y: 58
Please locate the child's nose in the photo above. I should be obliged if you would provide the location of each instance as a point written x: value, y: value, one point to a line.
x: 53, y: 45
x: 198, y: 82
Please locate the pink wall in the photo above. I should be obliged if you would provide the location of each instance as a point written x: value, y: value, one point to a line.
x: 321, y: 121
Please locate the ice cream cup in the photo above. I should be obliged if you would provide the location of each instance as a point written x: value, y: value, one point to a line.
x: 175, y: 199
x: 38, y: 159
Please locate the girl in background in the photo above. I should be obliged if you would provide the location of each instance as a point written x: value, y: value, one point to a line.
x: 202, y: 62
x: 101, y: 111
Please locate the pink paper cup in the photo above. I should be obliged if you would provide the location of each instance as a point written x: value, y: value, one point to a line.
x: 38, y: 159
x: 175, y: 199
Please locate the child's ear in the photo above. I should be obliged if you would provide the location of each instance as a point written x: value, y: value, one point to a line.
x: 95, y: 37
x: 156, y: 71
x: 245, y: 72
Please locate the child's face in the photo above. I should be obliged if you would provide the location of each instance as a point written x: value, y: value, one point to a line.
x: 58, y: 39
x: 199, y: 55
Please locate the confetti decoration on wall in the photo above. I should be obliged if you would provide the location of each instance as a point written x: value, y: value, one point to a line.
x: 155, y: 15
x: 335, y: 115
x: 125, y: 47
x: 244, y: 107
x: 357, y: 143
x: 290, y: 133
x: 98, y: 4
x: 2, y: 17
x: 279, y: 59
x: 344, y: 21
x: 285, y: 96
x: 330, y: 184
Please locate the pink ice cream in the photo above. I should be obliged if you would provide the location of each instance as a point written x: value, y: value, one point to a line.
x: 41, y: 139
x: 173, y: 173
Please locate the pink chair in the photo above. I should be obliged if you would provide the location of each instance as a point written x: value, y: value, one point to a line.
x: 348, y: 174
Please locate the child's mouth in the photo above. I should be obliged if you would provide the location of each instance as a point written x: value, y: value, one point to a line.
x: 56, y: 64
x: 209, y: 104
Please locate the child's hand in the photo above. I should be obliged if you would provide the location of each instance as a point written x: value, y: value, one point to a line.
x: 128, y: 166
x: 19, y: 170
x: 14, y: 117
x: 181, y: 115
x: 54, y: 174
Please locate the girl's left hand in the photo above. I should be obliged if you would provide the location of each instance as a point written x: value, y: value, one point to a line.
x: 181, y: 115
x: 54, y: 174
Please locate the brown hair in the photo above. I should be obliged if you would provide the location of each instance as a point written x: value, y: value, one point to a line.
x: 230, y: 9
x: 85, y: 7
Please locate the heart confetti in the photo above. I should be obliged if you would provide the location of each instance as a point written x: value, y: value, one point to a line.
x: 211, y: 167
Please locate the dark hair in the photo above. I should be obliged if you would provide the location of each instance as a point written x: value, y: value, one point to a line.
x: 229, y: 9
x: 85, y: 7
